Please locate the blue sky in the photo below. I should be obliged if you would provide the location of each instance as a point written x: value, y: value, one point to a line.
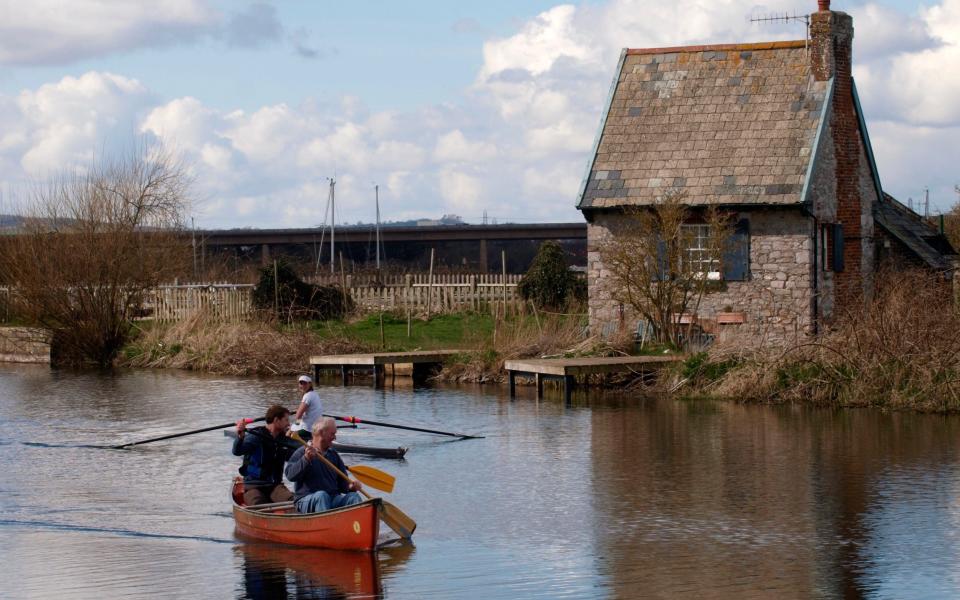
x: 460, y: 108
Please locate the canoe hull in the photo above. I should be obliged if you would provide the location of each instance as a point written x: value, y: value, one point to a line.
x: 351, y: 528
x: 377, y: 451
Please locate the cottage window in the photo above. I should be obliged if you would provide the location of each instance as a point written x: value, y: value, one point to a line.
x: 831, y: 243
x: 696, y: 255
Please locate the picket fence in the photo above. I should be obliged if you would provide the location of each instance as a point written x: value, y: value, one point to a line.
x: 223, y: 301
x: 412, y: 292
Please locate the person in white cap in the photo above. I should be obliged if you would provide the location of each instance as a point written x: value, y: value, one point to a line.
x: 310, y: 410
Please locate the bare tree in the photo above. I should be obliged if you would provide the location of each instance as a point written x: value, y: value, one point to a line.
x: 92, y: 245
x: 663, y: 258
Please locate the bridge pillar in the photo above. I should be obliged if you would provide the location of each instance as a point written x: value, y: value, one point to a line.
x: 264, y: 254
x: 483, y: 255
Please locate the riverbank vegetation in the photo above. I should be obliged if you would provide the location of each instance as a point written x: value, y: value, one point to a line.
x: 91, y: 245
x: 266, y: 346
x: 902, y: 352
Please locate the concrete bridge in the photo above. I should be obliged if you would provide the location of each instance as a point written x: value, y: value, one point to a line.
x: 476, y: 246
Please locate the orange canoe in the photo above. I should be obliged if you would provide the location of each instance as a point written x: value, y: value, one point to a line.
x: 351, y: 528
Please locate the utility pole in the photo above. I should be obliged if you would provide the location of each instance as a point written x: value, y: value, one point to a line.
x: 926, y: 203
x: 193, y: 245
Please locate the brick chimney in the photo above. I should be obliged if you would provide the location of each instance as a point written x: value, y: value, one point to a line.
x: 831, y: 38
x: 831, y: 44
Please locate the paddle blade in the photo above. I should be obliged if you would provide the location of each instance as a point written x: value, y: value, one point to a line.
x: 373, y: 477
x: 397, y: 520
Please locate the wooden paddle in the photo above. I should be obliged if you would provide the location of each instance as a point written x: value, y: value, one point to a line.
x: 395, y: 518
x: 356, y: 420
x: 373, y: 477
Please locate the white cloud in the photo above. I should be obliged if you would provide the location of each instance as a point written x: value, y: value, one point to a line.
x: 461, y: 191
x: 516, y: 144
x: 454, y: 147
x: 393, y: 154
x: 918, y: 85
x: 51, y: 31
x: 265, y: 135
x: 70, y: 121
x: 184, y: 123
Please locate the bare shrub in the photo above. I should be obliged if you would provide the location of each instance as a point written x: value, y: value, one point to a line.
x: 658, y: 267
x: 92, y: 244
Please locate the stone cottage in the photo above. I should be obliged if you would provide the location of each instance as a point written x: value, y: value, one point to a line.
x: 773, y: 133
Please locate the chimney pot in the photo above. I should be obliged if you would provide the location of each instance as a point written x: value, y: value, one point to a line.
x: 823, y: 5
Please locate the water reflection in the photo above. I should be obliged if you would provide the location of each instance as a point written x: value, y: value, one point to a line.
x: 277, y: 572
x: 604, y: 498
x: 739, y: 499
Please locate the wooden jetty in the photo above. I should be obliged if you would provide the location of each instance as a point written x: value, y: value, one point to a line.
x: 376, y: 362
x: 567, y: 369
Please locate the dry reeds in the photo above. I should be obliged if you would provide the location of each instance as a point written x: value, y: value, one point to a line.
x: 901, y: 351
x: 204, y: 343
x: 551, y: 336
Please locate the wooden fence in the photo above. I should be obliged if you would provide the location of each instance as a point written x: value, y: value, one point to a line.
x: 224, y: 301
x: 413, y: 292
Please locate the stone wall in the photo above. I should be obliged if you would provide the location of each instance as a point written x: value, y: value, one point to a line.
x: 24, y: 345
x: 775, y: 301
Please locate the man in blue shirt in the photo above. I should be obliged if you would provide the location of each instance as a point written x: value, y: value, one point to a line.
x: 317, y: 487
x: 264, y: 451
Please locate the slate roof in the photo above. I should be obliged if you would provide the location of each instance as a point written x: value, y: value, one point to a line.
x: 919, y: 236
x: 727, y: 124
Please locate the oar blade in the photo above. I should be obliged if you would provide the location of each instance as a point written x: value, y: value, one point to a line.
x: 374, y: 477
x: 397, y: 520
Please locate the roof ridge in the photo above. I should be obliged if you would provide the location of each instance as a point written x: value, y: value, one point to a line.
x: 721, y: 47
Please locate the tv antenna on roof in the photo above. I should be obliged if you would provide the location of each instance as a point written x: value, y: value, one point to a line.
x: 787, y: 18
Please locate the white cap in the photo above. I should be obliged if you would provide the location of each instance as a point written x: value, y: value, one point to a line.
x: 304, y: 379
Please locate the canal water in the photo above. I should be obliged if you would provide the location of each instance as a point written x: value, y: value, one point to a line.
x: 605, y: 498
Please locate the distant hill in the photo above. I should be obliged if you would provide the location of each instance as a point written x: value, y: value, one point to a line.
x: 10, y: 221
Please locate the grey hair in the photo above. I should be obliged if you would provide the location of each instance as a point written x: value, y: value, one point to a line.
x: 319, y: 425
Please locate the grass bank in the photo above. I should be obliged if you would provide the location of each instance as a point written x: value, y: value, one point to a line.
x: 262, y: 348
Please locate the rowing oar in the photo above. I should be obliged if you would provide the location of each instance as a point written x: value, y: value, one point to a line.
x: 395, y: 518
x: 356, y: 420
x: 185, y: 433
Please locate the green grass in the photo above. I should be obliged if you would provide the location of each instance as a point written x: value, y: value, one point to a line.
x: 442, y: 331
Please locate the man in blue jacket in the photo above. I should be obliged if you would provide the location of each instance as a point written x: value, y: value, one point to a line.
x: 264, y: 450
x: 317, y: 486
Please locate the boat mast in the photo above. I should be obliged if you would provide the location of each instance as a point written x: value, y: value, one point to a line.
x: 323, y: 235
x: 376, y: 191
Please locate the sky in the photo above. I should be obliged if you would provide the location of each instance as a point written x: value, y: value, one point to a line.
x: 467, y: 108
